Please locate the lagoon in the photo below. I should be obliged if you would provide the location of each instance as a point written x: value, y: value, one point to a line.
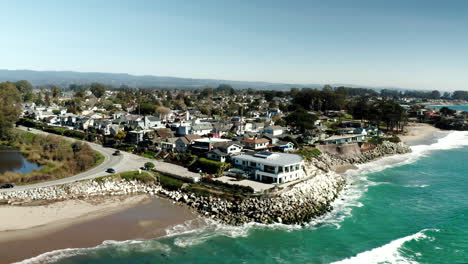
x: 11, y: 160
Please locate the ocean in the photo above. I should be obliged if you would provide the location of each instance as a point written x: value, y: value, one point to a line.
x: 410, y: 208
x: 454, y: 107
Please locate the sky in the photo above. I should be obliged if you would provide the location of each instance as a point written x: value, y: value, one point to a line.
x: 418, y: 44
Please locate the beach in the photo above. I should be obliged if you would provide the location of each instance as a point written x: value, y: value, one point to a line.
x: 28, y: 231
x: 417, y: 132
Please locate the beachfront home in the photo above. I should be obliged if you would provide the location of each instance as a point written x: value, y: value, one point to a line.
x: 271, y: 167
x: 344, y: 139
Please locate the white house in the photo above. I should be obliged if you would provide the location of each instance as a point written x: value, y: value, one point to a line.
x: 201, y: 129
x: 272, y: 167
x: 274, y: 130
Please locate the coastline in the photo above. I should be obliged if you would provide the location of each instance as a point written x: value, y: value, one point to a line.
x: 417, y: 132
x: 99, y: 219
x: 139, y: 218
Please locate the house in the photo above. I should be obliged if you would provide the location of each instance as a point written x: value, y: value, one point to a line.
x: 182, y: 143
x: 217, y: 155
x: 203, y: 145
x: 253, y: 127
x: 255, y: 143
x: 167, y: 144
x: 284, y: 146
x: 344, y: 139
x: 271, y: 167
x: 152, y: 122
x: 201, y: 129
x: 274, y: 130
x: 231, y: 148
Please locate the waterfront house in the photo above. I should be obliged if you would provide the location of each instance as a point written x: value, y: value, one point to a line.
x: 271, y: 167
x: 344, y: 139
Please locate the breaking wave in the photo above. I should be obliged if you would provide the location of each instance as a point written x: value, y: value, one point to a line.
x: 388, y: 253
x: 197, y: 231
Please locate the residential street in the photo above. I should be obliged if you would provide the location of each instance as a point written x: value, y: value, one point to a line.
x: 124, y: 162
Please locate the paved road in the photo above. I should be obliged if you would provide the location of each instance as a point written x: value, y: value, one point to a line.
x: 124, y: 162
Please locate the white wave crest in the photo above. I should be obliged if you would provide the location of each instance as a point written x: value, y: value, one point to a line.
x: 119, y: 246
x: 388, y: 253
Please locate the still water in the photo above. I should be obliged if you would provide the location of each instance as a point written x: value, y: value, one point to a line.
x: 12, y: 160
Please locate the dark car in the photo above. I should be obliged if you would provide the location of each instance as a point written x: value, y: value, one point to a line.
x: 110, y: 170
x: 6, y: 186
x: 116, y: 153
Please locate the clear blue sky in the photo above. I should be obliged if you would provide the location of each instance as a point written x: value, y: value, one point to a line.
x: 420, y: 44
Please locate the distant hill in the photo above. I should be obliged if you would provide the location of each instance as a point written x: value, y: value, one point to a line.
x: 64, y: 78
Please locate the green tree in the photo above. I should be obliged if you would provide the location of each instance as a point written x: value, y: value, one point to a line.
x: 98, y: 89
x: 55, y: 91
x: 301, y: 119
x: 10, y: 107
x: 25, y: 89
x: 445, y: 111
x: 120, y: 136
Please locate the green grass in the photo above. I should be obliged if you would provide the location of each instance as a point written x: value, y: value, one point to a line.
x: 170, y: 183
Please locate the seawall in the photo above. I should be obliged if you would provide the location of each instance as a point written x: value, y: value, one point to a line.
x: 295, y: 204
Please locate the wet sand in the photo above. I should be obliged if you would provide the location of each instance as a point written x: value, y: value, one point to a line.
x: 144, y: 221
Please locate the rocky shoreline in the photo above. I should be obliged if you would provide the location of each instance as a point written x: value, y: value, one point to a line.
x: 295, y: 204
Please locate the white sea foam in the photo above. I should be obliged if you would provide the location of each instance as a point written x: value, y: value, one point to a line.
x: 119, y: 246
x: 200, y: 230
x: 388, y: 253
x: 416, y: 185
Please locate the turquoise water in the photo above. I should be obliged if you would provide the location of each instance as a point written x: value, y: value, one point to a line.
x: 411, y: 208
x: 455, y: 107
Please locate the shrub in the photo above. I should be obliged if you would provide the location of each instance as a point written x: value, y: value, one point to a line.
x: 380, y: 140
x: 170, y: 183
x: 211, y: 166
x: 308, y: 154
x: 149, y: 165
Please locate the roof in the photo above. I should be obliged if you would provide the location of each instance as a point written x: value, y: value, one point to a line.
x: 202, y: 126
x: 255, y: 141
x: 218, y: 152
x: 275, y: 128
x: 273, y: 159
x: 153, y: 118
x: 343, y: 137
x: 164, y: 132
x: 189, y: 138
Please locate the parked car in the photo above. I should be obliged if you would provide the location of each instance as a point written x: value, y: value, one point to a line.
x: 110, y: 170
x: 6, y: 186
x: 117, y: 153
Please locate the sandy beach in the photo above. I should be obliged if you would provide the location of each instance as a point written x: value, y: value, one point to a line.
x: 28, y: 231
x: 417, y: 132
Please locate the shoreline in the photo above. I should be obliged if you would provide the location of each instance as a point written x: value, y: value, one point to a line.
x: 415, y: 132
x: 120, y: 219
x: 137, y: 220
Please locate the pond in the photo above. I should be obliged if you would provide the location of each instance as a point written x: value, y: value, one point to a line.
x: 12, y: 160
